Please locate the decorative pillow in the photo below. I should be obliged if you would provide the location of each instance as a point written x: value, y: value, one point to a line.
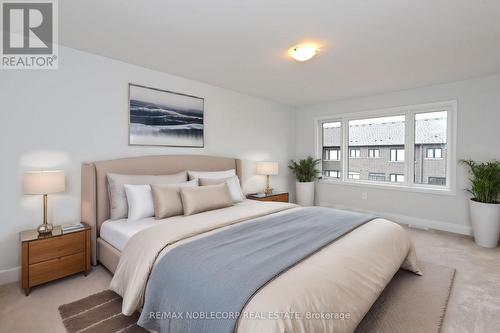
x: 117, y: 197
x: 203, y: 198
x: 211, y: 174
x: 140, y: 201
x: 233, y: 184
x: 167, y: 199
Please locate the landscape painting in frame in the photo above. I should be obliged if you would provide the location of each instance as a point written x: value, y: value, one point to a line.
x: 164, y: 118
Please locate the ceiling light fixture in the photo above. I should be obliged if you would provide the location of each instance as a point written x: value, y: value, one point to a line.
x: 303, y: 52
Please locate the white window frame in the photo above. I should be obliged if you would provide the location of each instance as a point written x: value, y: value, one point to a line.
x: 409, y: 111
x: 397, y: 150
x: 433, y: 153
x: 335, y: 171
x: 329, y: 154
x: 353, y: 175
x: 357, y: 154
x: 376, y: 152
x: 396, y: 176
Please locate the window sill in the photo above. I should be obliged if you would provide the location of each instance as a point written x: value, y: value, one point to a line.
x: 405, y: 188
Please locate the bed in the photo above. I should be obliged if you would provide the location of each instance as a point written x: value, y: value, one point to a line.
x: 341, y: 279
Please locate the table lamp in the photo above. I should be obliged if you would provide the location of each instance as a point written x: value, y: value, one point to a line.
x: 267, y: 169
x: 44, y: 183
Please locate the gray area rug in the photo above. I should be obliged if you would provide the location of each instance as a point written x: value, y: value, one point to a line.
x: 409, y: 304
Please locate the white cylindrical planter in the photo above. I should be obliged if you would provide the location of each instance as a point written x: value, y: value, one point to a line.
x: 485, y: 223
x: 304, y: 193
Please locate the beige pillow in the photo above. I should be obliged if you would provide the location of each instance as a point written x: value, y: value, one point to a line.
x: 167, y: 199
x: 203, y: 198
x: 233, y: 185
x: 211, y: 174
x: 117, y: 198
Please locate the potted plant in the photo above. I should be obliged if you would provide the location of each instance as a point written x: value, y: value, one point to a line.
x: 484, y: 205
x: 306, y: 173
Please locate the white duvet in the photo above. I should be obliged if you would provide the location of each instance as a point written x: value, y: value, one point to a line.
x: 331, y: 291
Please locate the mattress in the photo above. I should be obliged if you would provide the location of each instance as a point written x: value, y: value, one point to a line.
x: 118, y: 232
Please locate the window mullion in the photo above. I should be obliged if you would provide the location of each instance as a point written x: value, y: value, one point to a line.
x: 345, y: 148
x: 410, y: 148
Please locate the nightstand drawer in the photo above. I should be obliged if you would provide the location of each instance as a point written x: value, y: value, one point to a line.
x: 279, y: 197
x: 56, y: 247
x: 56, y: 268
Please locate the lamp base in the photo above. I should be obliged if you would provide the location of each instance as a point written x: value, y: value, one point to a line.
x: 45, y: 228
x: 268, y: 190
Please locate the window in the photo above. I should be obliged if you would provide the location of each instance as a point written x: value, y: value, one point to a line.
x: 376, y: 176
x: 332, y: 173
x: 332, y: 154
x: 397, y: 178
x: 373, y: 153
x: 397, y: 154
x: 354, y: 153
x: 434, y: 153
x: 331, y: 141
x: 437, y: 181
x: 431, y: 145
x: 375, y: 135
x: 412, y: 147
x: 353, y: 175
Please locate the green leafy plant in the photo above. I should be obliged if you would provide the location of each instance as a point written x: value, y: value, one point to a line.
x: 305, y: 170
x: 485, y: 180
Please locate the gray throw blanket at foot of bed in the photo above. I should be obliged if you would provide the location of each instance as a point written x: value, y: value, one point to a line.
x: 204, y: 285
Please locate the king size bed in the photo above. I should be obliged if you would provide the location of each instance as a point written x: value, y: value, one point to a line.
x: 249, y: 267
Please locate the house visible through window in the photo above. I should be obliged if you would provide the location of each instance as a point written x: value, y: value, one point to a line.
x: 437, y: 180
x: 373, y: 153
x: 332, y: 154
x: 431, y: 145
x: 331, y: 144
x: 332, y: 173
x: 397, y: 155
x: 354, y: 153
x: 376, y: 146
x: 397, y: 178
x: 434, y: 153
x: 376, y: 176
x: 353, y: 175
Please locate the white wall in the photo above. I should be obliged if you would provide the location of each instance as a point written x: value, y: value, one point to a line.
x: 478, y: 138
x: 57, y: 119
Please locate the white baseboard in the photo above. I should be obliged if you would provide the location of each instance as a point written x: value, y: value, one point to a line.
x: 10, y: 275
x: 415, y: 222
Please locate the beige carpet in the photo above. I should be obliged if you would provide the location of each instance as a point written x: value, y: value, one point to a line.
x: 473, y: 307
x: 410, y: 303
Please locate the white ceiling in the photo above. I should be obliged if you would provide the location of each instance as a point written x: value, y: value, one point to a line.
x: 368, y: 47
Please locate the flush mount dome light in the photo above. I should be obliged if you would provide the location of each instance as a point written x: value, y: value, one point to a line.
x: 303, y: 52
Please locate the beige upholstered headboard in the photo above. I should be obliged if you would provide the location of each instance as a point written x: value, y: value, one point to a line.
x: 95, y: 201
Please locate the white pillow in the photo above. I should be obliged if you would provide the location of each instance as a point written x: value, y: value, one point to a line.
x: 140, y: 201
x: 233, y: 185
x: 211, y: 174
x: 117, y: 197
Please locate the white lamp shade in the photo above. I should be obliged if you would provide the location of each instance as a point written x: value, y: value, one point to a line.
x: 267, y: 168
x: 44, y: 182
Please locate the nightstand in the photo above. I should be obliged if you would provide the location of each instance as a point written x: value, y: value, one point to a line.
x: 277, y: 196
x: 53, y: 256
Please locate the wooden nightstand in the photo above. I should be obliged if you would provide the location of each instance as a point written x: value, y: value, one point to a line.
x: 56, y: 255
x: 277, y: 196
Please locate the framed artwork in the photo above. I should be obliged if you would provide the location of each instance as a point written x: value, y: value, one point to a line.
x: 164, y: 118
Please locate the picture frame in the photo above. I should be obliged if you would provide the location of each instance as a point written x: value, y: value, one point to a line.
x: 165, y: 118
